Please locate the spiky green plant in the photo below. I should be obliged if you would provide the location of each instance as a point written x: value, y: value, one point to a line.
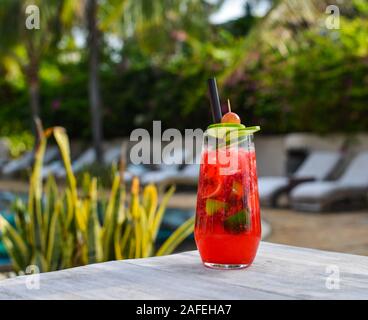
x: 65, y: 228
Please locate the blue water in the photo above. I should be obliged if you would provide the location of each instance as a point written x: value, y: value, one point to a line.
x: 6, y: 200
x: 173, y: 218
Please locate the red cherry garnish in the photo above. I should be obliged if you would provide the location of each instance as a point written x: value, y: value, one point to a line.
x: 230, y: 117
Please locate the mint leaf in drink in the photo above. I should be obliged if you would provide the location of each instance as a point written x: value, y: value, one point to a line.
x: 237, y: 222
x: 214, y: 206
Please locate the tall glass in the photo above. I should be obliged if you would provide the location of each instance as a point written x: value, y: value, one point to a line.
x: 228, y: 227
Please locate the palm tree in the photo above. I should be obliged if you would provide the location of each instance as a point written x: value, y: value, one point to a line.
x: 123, y: 17
x: 279, y: 29
x: 94, y: 79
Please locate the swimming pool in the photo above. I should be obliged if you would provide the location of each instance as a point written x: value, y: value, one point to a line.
x: 173, y: 218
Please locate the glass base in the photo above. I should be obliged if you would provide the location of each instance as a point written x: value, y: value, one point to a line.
x: 220, y: 266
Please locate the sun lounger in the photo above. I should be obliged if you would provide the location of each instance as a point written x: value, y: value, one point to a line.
x: 87, y: 158
x: 158, y: 175
x: 26, y: 161
x: 16, y: 165
x: 165, y: 169
x: 186, y: 176
x: 319, y: 165
x: 52, y: 169
x: 112, y: 155
x: 50, y: 154
x: 348, y: 192
x: 134, y: 170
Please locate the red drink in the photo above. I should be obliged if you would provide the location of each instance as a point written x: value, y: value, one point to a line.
x: 228, y: 227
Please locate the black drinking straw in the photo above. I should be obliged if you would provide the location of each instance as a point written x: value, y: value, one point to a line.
x: 215, y: 100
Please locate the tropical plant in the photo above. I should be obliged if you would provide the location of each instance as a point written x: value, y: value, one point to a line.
x: 59, y: 229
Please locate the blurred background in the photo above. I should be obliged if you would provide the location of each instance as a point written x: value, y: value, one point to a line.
x: 100, y: 69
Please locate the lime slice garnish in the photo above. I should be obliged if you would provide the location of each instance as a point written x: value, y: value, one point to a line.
x: 238, y: 134
x: 250, y: 130
x: 228, y: 134
x: 227, y: 125
x: 236, y: 137
x: 219, y: 130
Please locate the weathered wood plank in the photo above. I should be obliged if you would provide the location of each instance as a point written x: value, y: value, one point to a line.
x: 279, y: 272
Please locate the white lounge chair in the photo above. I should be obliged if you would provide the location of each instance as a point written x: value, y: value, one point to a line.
x: 16, y: 165
x: 134, y: 170
x: 112, y: 155
x: 52, y: 168
x: 165, y: 169
x: 50, y: 154
x: 349, y: 191
x: 319, y: 165
x: 187, y: 176
x: 86, y: 158
x: 26, y: 161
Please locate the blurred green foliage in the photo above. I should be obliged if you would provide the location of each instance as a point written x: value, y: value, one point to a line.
x: 135, y: 90
x: 160, y: 72
x: 18, y: 139
x: 319, y: 84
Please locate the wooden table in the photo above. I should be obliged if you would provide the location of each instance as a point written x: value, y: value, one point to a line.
x: 279, y: 272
